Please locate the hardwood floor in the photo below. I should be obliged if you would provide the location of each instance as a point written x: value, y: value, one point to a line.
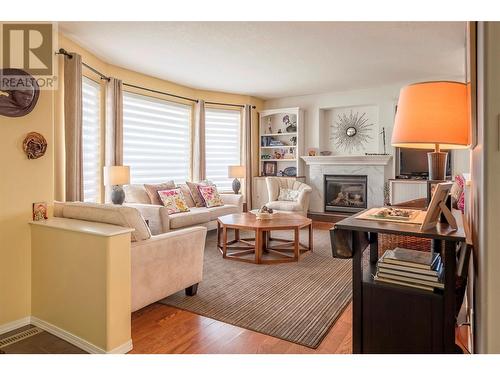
x: 163, y: 329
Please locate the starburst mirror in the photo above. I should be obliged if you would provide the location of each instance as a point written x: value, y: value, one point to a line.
x: 351, y: 130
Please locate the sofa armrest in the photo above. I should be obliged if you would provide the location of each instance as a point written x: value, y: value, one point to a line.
x: 165, y: 264
x: 156, y: 215
x: 236, y: 199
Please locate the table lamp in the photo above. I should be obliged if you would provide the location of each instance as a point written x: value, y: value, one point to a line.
x: 116, y: 176
x: 236, y: 171
x: 432, y: 115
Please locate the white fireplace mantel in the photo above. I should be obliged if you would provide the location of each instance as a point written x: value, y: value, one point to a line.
x: 348, y: 160
x: 374, y: 167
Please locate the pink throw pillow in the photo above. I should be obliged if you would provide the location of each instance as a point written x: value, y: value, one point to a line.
x: 210, y: 195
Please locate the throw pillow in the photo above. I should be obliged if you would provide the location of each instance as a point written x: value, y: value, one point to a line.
x: 458, y: 194
x: 173, y: 200
x: 195, y: 194
x: 153, y: 189
x: 288, y: 195
x: 187, y: 195
x: 210, y: 195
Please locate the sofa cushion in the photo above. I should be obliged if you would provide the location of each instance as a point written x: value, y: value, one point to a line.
x: 196, y: 215
x: 284, y: 206
x: 216, y: 212
x: 135, y: 193
x: 187, y: 195
x: 153, y: 189
x: 195, y: 194
x: 105, y: 213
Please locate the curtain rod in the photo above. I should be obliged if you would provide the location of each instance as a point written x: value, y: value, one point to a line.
x: 62, y: 51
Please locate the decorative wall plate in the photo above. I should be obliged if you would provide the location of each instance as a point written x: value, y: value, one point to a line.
x: 20, y: 101
x: 34, y: 145
x: 290, y: 171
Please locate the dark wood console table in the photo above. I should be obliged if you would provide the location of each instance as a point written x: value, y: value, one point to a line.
x: 390, y: 318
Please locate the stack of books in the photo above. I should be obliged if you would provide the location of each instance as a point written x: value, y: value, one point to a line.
x: 416, y: 269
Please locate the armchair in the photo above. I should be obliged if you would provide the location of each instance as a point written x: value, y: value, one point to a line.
x: 300, y: 206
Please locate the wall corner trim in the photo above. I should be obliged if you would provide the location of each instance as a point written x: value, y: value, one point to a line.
x: 78, y: 341
x: 15, y: 324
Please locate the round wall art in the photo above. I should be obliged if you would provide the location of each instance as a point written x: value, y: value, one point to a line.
x: 18, y: 94
x: 351, y: 131
x: 34, y: 145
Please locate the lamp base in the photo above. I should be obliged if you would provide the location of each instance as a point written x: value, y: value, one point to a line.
x: 236, y: 186
x: 117, y: 195
x: 437, y: 165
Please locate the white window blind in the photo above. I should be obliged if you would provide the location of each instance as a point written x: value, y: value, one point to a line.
x: 91, y: 140
x: 156, y: 139
x: 223, y: 146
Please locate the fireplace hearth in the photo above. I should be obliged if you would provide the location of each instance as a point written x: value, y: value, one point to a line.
x: 345, y: 193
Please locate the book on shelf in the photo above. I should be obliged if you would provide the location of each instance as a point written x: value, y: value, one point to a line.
x: 416, y: 275
x: 412, y: 280
x: 410, y: 258
x: 435, y: 271
x: 403, y: 283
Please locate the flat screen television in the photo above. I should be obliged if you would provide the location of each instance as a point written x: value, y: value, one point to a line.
x: 412, y: 162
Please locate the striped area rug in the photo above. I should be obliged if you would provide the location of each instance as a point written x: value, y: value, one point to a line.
x: 297, y: 302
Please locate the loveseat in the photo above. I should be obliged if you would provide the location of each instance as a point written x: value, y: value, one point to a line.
x: 160, y: 264
x: 160, y: 221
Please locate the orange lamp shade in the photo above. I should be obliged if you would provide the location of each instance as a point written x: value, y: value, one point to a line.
x: 432, y: 114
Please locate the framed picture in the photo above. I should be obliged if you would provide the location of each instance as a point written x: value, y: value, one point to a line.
x: 438, y: 206
x: 270, y: 168
x: 40, y: 211
x: 431, y: 188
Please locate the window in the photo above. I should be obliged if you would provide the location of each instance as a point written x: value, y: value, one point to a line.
x: 156, y: 139
x: 222, y: 144
x: 91, y: 140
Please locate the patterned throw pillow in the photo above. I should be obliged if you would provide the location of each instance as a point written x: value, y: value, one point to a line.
x: 173, y: 200
x: 288, y: 195
x: 210, y: 195
x: 153, y: 190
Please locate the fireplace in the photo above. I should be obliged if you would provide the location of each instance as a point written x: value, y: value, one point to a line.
x: 345, y: 193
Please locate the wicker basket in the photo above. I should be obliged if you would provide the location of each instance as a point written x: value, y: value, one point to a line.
x: 391, y: 241
x: 263, y: 216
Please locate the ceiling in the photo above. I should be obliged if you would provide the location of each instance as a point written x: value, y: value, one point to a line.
x: 278, y: 59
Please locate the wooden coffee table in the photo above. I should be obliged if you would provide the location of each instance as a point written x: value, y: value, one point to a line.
x: 264, y: 248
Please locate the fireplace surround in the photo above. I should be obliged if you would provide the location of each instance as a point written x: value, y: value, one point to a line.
x: 345, y: 193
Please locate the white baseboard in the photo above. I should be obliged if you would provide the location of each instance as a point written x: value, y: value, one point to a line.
x: 78, y: 341
x: 10, y: 326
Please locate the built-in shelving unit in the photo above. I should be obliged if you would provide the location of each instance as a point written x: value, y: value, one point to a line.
x: 281, y: 137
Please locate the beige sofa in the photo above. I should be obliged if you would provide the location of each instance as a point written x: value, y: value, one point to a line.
x: 160, y: 221
x: 300, y: 206
x: 160, y: 264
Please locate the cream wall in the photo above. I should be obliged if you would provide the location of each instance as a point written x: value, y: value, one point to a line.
x: 485, y: 182
x: 22, y: 182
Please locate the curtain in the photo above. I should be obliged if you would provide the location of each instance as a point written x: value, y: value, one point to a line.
x: 247, y: 161
x: 114, y: 122
x: 73, y: 127
x: 113, y: 151
x: 199, y: 165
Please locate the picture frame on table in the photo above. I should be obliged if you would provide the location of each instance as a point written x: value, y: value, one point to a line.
x: 438, y: 206
x: 270, y: 168
x: 431, y: 188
